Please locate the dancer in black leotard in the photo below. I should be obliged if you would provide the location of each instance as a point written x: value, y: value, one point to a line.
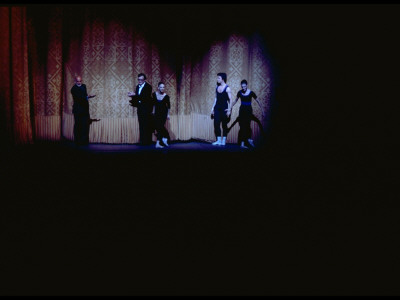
x: 245, y: 114
x: 161, y: 109
x: 221, y: 109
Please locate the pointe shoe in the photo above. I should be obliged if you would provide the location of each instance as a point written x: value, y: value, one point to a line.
x: 243, y: 146
x: 223, y: 143
x: 218, y: 142
x: 158, y: 145
x: 251, y: 142
x: 165, y: 140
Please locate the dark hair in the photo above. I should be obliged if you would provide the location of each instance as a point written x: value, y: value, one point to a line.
x: 161, y: 83
x: 142, y: 74
x: 243, y: 81
x: 223, y: 76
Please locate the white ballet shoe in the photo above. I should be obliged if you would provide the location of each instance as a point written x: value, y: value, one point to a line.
x: 223, y: 143
x: 243, y: 146
x: 165, y: 140
x: 158, y: 144
x: 217, y: 142
x: 251, y: 142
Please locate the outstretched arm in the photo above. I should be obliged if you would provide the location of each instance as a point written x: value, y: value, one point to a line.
x: 88, y: 96
x: 234, y: 102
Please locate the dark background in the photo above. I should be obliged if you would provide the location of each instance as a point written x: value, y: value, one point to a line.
x: 311, y: 212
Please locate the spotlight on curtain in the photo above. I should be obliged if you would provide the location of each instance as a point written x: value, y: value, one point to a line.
x: 45, y: 50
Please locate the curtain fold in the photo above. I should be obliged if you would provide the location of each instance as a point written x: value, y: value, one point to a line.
x: 5, y: 71
x: 15, y: 88
x: 46, y: 48
x: 46, y: 59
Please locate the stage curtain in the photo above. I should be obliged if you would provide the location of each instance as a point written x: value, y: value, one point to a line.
x: 14, y: 76
x: 46, y: 48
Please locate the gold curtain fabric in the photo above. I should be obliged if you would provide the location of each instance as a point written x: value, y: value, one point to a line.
x: 45, y: 53
x: 14, y: 75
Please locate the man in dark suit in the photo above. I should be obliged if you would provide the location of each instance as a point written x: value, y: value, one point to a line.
x: 80, y: 110
x: 141, y: 99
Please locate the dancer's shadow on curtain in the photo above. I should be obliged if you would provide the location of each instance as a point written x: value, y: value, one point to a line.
x: 93, y: 120
x: 253, y: 118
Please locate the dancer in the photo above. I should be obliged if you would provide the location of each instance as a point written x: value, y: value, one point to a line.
x: 221, y: 109
x: 245, y: 114
x: 161, y: 109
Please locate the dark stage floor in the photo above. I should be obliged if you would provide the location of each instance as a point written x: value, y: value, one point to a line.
x: 192, y: 219
x: 175, y: 146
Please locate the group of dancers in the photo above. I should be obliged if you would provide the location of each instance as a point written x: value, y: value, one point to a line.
x: 222, y: 109
x: 153, y: 111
